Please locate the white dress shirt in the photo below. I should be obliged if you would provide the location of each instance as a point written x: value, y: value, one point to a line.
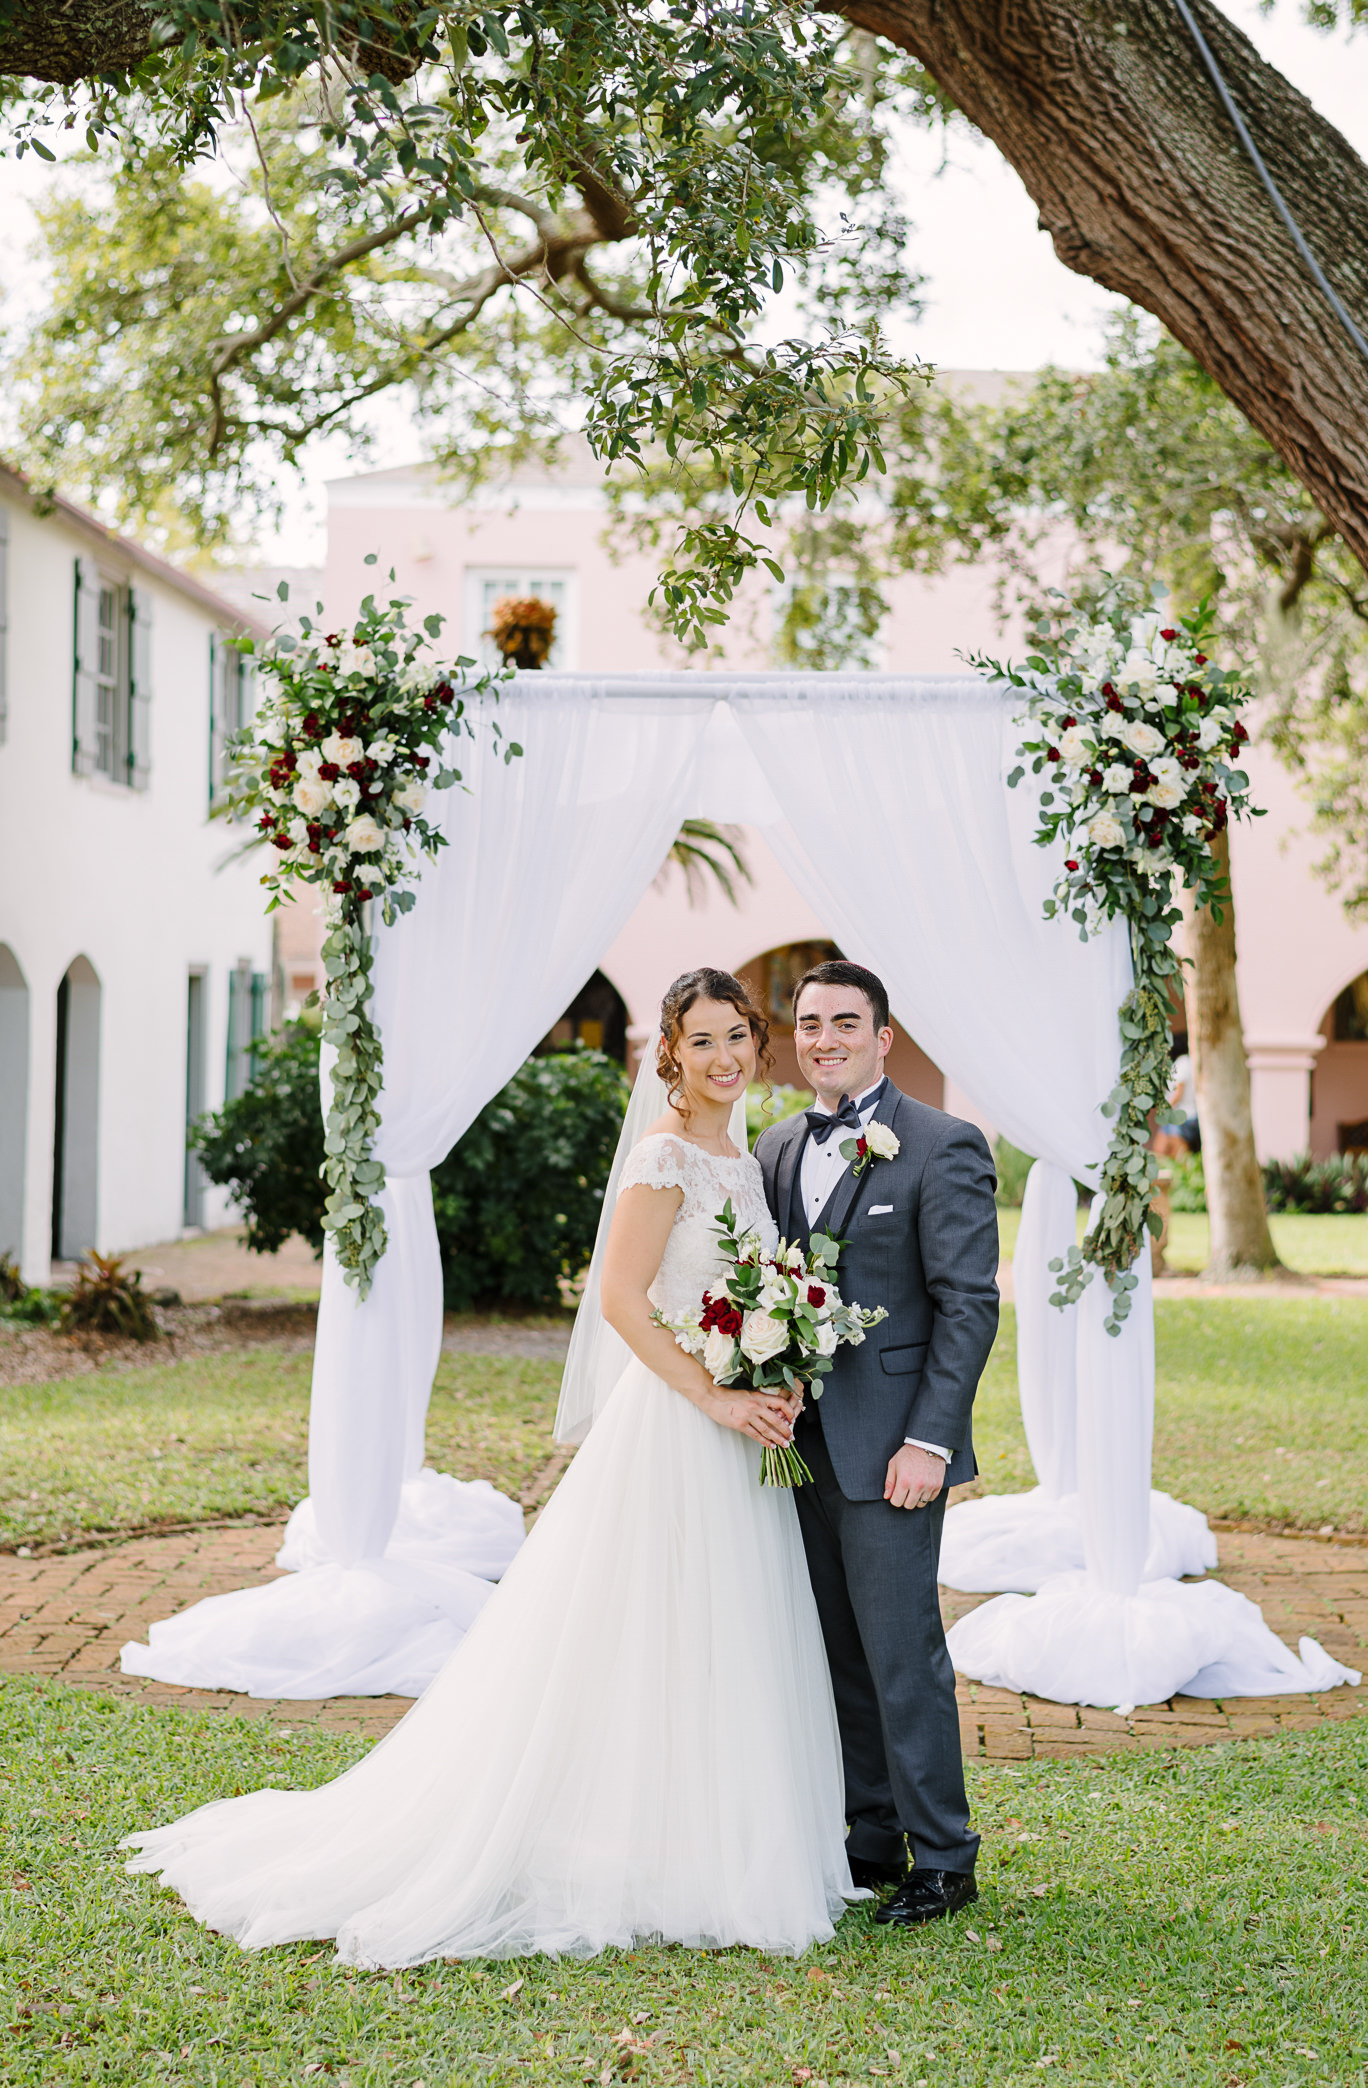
x: 820, y: 1169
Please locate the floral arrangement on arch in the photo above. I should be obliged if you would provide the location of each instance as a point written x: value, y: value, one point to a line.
x: 350, y: 737
x: 1135, y: 734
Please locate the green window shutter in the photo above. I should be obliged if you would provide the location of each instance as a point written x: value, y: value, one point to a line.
x: 84, y: 735
x: 216, y: 713
x: 4, y: 623
x: 231, y: 1085
x: 140, y: 688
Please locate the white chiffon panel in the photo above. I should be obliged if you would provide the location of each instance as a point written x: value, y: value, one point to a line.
x: 636, y: 1739
x: 547, y: 855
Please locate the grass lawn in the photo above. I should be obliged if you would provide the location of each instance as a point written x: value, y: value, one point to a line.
x: 1194, y: 1916
x: 226, y: 1435
x: 1260, y: 1414
x: 1329, y: 1246
x: 1260, y: 1410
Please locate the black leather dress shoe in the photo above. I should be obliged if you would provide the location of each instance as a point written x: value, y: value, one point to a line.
x: 876, y: 1876
x: 928, y: 1895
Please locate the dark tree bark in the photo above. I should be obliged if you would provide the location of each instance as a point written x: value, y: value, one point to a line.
x: 70, y: 40
x: 1107, y: 113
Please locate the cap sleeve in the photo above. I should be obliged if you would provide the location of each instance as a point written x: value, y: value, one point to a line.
x: 659, y: 1162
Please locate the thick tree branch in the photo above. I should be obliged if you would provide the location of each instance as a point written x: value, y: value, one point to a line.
x: 1110, y: 119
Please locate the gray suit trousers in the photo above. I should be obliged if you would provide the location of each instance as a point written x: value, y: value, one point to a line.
x: 873, y: 1570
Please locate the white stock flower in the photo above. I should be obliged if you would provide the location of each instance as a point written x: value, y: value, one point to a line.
x: 1192, y: 826
x: 881, y: 1142
x: 412, y: 797
x: 719, y: 1353
x: 1141, y: 738
x: 363, y: 836
x: 342, y: 751
x: 1117, y: 778
x: 1073, y: 748
x: 1167, y: 795
x: 763, y: 1337
x: 383, y: 751
x: 1106, y: 832
x: 311, y: 796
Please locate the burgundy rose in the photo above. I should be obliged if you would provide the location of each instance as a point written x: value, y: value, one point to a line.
x: 1200, y: 659
x: 328, y: 771
x: 816, y: 1295
x: 1070, y: 864
x: 280, y: 840
x: 311, y: 728
x: 1168, y: 636
x: 1052, y: 753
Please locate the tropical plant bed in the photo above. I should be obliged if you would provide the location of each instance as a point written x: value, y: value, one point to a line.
x: 1188, y: 1916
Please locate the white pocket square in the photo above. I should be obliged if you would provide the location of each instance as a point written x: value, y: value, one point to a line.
x: 877, y: 1210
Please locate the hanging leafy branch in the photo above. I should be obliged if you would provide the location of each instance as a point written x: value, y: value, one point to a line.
x: 577, y: 216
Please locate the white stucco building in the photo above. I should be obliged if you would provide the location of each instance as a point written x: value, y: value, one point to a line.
x: 134, y: 969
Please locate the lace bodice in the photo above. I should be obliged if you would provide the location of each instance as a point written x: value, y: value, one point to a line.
x: 691, y: 1262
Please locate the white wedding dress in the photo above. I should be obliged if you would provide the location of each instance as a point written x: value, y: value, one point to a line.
x: 636, y: 1739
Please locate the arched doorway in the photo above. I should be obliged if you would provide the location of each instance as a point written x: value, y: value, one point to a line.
x: 76, y: 1136
x: 14, y: 1077
x: 597, y: 1016
x: 772, y: 976
x: 1339, y: 1084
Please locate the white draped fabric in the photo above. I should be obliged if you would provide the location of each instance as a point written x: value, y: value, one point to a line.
x: 884, y: 798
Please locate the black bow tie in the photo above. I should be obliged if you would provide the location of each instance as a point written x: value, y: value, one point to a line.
x: 821, y: 1123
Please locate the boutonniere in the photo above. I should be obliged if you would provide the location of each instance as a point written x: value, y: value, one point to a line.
x: 876, y: 1142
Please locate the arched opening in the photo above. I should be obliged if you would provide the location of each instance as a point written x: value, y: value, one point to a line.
x: 771, y: 977
x: 1339, y: 1084
x: 76, y: 1135
x: 14, y: 1076
x: 597, y: 1016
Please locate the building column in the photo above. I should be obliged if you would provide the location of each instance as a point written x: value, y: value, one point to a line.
x: 1280, y: 1071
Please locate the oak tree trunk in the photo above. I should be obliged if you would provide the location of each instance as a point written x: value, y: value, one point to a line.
x: 1105, y: 110
x: 1238, y: 1215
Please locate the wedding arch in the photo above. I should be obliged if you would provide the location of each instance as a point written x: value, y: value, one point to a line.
x: 885, y: 798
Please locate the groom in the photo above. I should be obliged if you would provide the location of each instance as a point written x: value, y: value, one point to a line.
x: 892, y: 1431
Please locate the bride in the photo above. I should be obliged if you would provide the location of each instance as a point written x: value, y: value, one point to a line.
x: 636, y: 1739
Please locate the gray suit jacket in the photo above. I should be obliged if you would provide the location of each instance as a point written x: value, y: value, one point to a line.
x: 931, y: 1262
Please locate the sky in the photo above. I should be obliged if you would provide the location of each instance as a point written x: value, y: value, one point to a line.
x: 995, y: 296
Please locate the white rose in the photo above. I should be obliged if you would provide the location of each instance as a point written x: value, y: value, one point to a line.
x: 1073, y: 748
x: 1137, y: 670
x: 412, y: 797
x: 825, y: 1339
x: 719, y: 1353
x: 355, y: 659
x: 1106, y: 832
x: 1117, y: 779
x: 1141, y: 738
x: 363, y: 836
x: 763, y: 1337
x: 1168, y: 771
x: 881, y: 1142
x: 1167, y: 795
x: 311, y: 796
x: 299, y: 833
x: 342, y: 751
x: 308, y: 765
x: 1211, y: 732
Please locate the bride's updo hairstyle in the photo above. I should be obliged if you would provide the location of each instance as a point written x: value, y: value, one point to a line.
x: 694, y: 986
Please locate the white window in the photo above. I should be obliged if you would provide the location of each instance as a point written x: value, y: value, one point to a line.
x: 111, y: 682
x: 486, y: 585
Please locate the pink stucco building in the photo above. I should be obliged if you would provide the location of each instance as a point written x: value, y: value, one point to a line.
x: 1303, y: 968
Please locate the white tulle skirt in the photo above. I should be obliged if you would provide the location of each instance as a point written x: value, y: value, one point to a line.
x: 635, y: 1741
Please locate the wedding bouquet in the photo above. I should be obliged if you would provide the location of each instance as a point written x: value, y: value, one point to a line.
x: 777, y: 1320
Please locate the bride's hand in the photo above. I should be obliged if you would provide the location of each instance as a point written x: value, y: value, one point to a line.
x: 767, y: 1417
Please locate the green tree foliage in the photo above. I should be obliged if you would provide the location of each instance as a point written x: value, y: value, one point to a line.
x: 517, y: 1201
x: 574, y: 216
x: 266, y: 1146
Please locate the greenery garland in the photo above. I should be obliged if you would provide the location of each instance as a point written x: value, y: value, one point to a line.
x: 335, y: 769
x: 1135, y: 735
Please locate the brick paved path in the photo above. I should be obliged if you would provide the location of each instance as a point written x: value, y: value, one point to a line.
x: 69, y: 1616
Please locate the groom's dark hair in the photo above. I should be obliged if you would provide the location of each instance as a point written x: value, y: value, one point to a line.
x: 838, y: 972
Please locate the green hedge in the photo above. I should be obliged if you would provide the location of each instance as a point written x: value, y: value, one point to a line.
x: 517, y: 1200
